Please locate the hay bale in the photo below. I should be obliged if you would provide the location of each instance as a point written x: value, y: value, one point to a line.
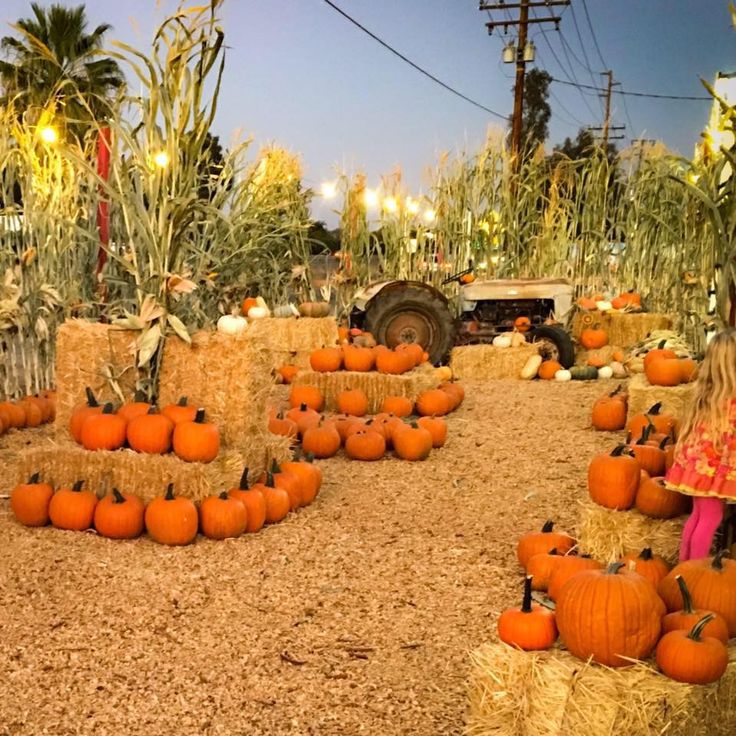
x: 606, y: 535
x: 292, y: 340
x: 516, y: 693
x: 95, y: 355
x: 63, y: 463
x: 486, y: 362
x: 605, y: 354
x: 228, y: 375
x: 623, y: 328
x: 642, y: 395
x: 377, y: 386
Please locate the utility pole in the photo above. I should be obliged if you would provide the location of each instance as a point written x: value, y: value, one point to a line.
x: 606, y: 128
x: 523, y: 52
x: 640, y: 143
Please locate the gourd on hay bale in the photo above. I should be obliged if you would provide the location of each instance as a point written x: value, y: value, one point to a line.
x: 292, y: 340
x: 643, y: 395
x: 607, y: 535
x: 622, y: 328
x: 95, y: 355
x: 376, y: 386
x: 227, y: 375
x: 486, y: 362
x: 517, y: 693
x: 147, y: 476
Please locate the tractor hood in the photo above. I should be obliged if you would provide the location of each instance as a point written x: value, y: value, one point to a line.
x: 558, y: 290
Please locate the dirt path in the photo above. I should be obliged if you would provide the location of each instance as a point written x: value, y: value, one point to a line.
x: 353, y: 617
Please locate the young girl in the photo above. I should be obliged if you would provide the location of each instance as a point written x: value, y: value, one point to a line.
x: 705, y: 456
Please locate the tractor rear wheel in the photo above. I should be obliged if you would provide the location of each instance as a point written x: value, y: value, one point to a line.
x: 555, y: 344
x: 411, y: 314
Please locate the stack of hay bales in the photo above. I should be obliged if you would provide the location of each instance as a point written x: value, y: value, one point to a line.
x: 517, y: 693
x: 487, y: 362
x: 624, y: 329
x: 228, y: 375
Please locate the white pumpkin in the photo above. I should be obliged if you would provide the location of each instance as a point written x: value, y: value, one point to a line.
x: 231, y: 324
x: 563, y: 375
x: 257, y: 313
x: 283, y: 311
x: 502, y: 341
x: 605, y: 372
x: 517, y: 338
x: 618, y: 370
x: 604, y: 306
x: 531, y: 367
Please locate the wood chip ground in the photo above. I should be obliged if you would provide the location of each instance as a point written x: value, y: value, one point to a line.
x: 355, y: 616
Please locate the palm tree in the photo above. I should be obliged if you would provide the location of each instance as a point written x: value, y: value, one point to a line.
x: 56, y: 64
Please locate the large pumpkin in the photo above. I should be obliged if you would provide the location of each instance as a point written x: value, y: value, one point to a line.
x: 609, y: 615
x: 358, y: 359
x: 712, y: 585
x: 308, y: 473
x: 592, y: 338
x: 614, y: 479
x: 434, y: 402
x: 322, y: 441
x: 150, y: 432
x: 609, y: 412
x: 535, y: 543
x: 412, y: 442
x: 171, y: 520
x: 664, y: 372
x: 685, y: 619
x: 657, y: 501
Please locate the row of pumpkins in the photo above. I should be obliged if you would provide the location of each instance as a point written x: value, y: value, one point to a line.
x: 627, y: 301
x: 684, y: 615
x: 30, y: 411
x: 169, y: 519
x: 364, y: 438
x: 255, y: 308
x: 143, y: 428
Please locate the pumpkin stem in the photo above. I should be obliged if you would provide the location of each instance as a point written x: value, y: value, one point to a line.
x: 646, y: 554
x: 664, y: 442
x: 140, y: 396
x: 34, y: 478
x: 78, y: 486
x: 91, y: 400
x: 526, y: 604
x: 303, y: 407
x: 309, y: 457
x: 269, y: 479
x: 614, y: 567
x: 655, y: 409
x: 619, y: 450
x: 697, y: 630
x: 548, y: 526
x: 117, y: 496
x: 645, y: 433
x: 199, y: 419
x: 153, y: 409
x: 297, y: 453
x: 616, y: 390
x: 275, y: 466
x: 553, y: 551
x: 182, y: 401
x: 169, y: 492
x: 717, y: 563
x: 107, y: 409
x: 224, y: 496
x: 687, y: 600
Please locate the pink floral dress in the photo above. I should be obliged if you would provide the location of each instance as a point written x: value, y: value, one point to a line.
x: 702, y: 470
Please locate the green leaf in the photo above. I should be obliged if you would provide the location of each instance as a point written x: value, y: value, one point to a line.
x: 179, y: 327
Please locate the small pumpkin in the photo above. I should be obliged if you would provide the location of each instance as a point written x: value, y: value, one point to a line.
x: 663, y: 372
x: 222, y: 516
x: 540, y: 567
x: 685, y: 619
x: 583, y: 373
x: 613, y: 480
x: 455, y: 391
x: 304, y: 418
x: 171, y: 519
x: 180, y: 412
x: 663, y: 423
x: 654, y: 569
x: 197, y: 441
x: 443, y: 373
x: 248, y: 304
x: 280, y: 425
x: 289, y: 482
x: 434, y: 402
x: 15, y: 413
x: 308, y: 473
x: 655, y: 500
x: 103, y: 431
x: 661, y: 351
x: 567, y: 568
x: 322, y: 441
x: 135, y: 408
x: 365, y: 445
x: 119, y: 516
x: 688, y: 370
x: 649, y: 457
x: 309, y: 395
x: 522, y: 324
x: 605, y: 372
x: 437, y: 427
x: 399, y: 406
x: 541, y: 542
x: 412, y: 443
x: 232, y: 324
x: 253, y: 502
x: 81, y: 412
x: 502, y: 341
x: 314, y: 309
x: 277, y: 500
x: 72, y: 508
x: 414, y: 349
x: 326, y: 360
x: 32, y: 411
x: 288, y: 372
x: 531, y: 627
x: 353, y: 402
x: 563, y: 375
x: 358, y: 359
x: 691, y: 657
x: 609, y: 412
x: 547, y: 369
x: 393, y: 362
x: 150, y: 433
x: 518, y: 339
x: 30, y: 501
x: 593, y: 338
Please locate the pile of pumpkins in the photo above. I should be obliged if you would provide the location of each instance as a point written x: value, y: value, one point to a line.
x: 684, y: 616
x: 632, y: 475
x: 169, y: 519
x: 140, y: 426
x: 663, y: 367
x: 552, y: 370
x: 31, y: 411
x: 255, y: 308
x: 363, y: 438
x: 627, y: 301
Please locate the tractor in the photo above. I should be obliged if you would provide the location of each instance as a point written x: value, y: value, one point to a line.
x: 412, y: 311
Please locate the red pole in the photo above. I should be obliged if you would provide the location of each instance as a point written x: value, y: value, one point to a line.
x: 103, y: 206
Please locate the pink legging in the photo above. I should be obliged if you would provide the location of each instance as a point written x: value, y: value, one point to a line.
x: 697, y: 536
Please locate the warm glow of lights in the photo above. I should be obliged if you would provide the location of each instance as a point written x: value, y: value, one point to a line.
x: 412, y: 206
x: 485, y: 226
x: 693, y: 178
x: 482, y: 265
x: 49, y: 134
x: 370, y: 198
x: 429, y: 215
x: 329, y: 189
x: 390, y: 204
x: 161, y: 159
x: 495, y: 260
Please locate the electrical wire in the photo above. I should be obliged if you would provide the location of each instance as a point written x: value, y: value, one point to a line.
x: 582, y: 45
x: 423, y: 71
x: 592, y: 33
x: 637, y: 94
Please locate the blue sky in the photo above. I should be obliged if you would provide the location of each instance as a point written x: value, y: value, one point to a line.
x: 299, y: 74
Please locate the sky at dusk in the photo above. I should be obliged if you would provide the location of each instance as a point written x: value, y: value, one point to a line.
x: 299, y: 74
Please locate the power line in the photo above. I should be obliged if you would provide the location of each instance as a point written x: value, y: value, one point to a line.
x: 636, y: 94
x: 592, y: 33
x: 582, y: 45
x: 423, y: 71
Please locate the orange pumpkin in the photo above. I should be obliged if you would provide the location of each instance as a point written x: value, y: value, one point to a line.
x: 353, y: 402
x: 654, y: 569
x: 171, y: 520
x: 30, y: 502
x: 686, y: 618
x: 414, y: 349
x: 567, y: 568
x: 33, y: 412
x: 548, y: 368
x: 309, y: 475
x: 434, y: 402
x: 365, y: 445
x: 248, y: 304
x: 437, y: 427
x: 309, y: 395
x: 222, y: 517
x: 649, y: 457
x: 535, y: 543
x: 532, y: 627
x: 72, y: 508
x: 412, y: 443
x: 655, y: 500
x: 280, y: 425
x: 609, y: 412
x: 663, y: 423
x: 197, y: 441
x: 613, y: 480
x: 593, y: 338
x: 253, y: 501
x: 104, y: 431
x: 540, y: 567
x: 322, y: 441
x: 119, y: 516
x: 326, y: 360
x: 150, y: 433
x: 180, y: 412
x: 343, y: 423
x: 659, y: 352
x: 277, y: 500
x: 135, y: 408
x: 288, y: 372
x: 688, y: 371
x: 288, y: 481
x: 399, y: 406
x: 455, y: 391
x: 15, y: 413
x: 304, y: 418
x: 522, y: 324
x: 393, y: 362
x: 81, y: 412
x: 663, y: 372
x: 358, y: 359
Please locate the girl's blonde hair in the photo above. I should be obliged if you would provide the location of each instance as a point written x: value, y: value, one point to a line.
x: 715, y: 387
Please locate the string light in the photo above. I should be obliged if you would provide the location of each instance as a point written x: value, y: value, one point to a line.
x: 329, y: 189
x: 370, y: 198
x: 429, y: 215
x: 49, y: 135
x: 390, y: 204
x: 412, y: 206
x: 161, y: 159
